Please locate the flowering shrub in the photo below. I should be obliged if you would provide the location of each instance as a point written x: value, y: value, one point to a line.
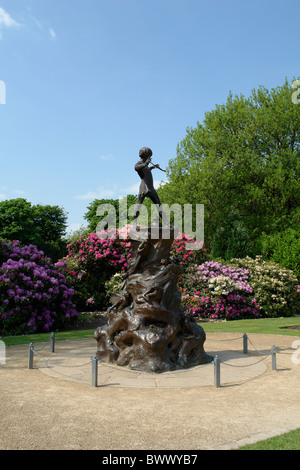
x: 91, y: 261
x: 34, y: 295
x: 245, y: 289
x: 180, y: 249
x: 275, y: 288
x: 216, y: 291
x: 114, y: 284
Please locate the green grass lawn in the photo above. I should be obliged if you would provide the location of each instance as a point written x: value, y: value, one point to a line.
x: 44, y: 337
x: 267, y: 326
x: 288, y: 441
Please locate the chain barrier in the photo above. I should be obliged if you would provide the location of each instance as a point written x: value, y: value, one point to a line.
x: 222, y: 340
x: 43, y: 347
x: 216, y: 361
x: 248, y: 365
x: 70, y: 366
x: 246, y: 339
x: 259, y: 352
x: 34, y: 352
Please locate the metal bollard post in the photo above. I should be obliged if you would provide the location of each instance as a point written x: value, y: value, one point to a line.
x: 52, y: 342
x: 273, y: 358
x: 245, y: 344
x: 95, y: 372
x: 217, y: 372
x: 30, y: 360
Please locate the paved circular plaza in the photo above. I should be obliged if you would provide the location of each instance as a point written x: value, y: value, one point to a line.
x: 55, y: 405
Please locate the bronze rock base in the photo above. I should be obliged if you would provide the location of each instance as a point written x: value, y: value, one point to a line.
x: 147, y: 328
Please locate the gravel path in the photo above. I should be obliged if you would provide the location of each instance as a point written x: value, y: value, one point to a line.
x: 39, y: 412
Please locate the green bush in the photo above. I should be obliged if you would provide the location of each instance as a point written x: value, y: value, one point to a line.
x: 275, y: 288
x: 283, y: 248
x: 231, y: 238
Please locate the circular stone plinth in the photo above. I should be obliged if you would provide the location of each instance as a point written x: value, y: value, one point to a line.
x: 72, y: 361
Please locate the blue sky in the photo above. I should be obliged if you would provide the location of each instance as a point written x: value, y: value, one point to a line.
x: 90, y: 83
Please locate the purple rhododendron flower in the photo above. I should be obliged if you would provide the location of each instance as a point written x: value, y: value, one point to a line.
x: 213, y: 290
x: 29, y: 284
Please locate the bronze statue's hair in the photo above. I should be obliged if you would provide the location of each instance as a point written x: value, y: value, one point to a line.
x: 145, y: 152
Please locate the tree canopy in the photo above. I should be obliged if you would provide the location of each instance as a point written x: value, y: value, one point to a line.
x: 243, y: 160
x: 40, y: 225
x: 125, y: 203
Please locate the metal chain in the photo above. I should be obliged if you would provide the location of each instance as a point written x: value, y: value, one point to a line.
x: 34, y: 351
x: 247, y: 365
x: 43, y: 347
x: 219, y: 340
x: 68, y: 365
x: 259, y: 352
x: 180, y: 370
x: 74, y: 366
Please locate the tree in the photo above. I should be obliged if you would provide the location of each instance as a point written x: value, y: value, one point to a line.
x: 245, y: 156
x: 93, y: 219
x: 40, y: 225
x: 50, y: 223
x: 231, y: 240
x: 16, y: 221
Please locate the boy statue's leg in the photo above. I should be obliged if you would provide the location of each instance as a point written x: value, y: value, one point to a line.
x: 155, y: 199
x: 140, y: 201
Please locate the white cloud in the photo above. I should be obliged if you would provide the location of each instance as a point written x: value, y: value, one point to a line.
x: 37, y: 22
x: 10, y: 193
x: 75, y: 227
x: 20, y: 192
x: 100, y: 193
x: 107, y: 157
x: 6, y: 20
x: 42, y: 25
x: 52, y: 33
x: 116, y: 192
x: 133, y: 189
x: 157, y: 184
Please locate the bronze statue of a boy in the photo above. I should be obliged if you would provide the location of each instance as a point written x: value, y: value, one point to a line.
x: 146, y: 186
